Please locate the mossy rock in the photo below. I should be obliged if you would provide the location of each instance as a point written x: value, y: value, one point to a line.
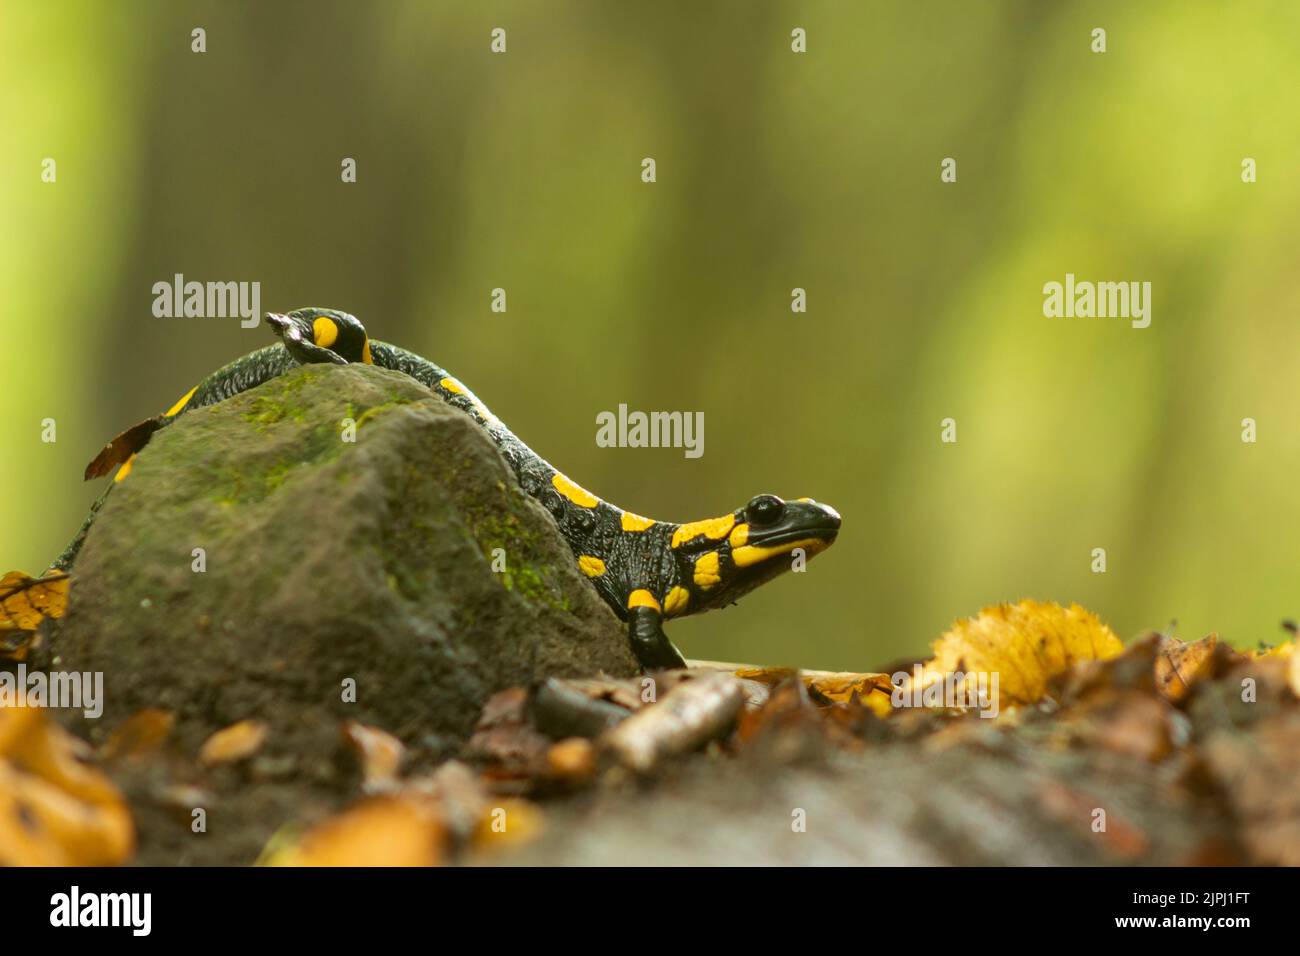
x: 327, y: 560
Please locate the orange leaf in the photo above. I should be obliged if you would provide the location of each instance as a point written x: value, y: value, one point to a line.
x: 1179, y: 664
x: 236, y: 742
x: 55, y: 809
x: 378, y: 831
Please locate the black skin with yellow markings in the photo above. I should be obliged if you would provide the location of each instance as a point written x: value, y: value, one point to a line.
x: 350, y: 344
x: 645, y: 570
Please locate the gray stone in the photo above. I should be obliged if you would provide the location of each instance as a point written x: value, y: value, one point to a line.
x: 327, y: 560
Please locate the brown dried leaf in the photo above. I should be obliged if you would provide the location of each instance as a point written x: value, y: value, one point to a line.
x: 505, y: 741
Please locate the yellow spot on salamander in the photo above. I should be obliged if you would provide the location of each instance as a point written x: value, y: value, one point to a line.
x: 591, y: 566
x: 753, y: 554
x: 641, y: 598
x: 739, y: 536
x: 633, y: 522
x: 675, y: 601
x: 181, y: 402
x: 576, y: 493
x: 706, y: 570
x: 365, y: 354
x: 715, y: 528
x: 324, y: 331
x: 125, y: 469
x: 453, y: 386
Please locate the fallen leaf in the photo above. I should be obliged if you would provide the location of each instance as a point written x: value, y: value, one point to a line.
x: 1133, y: 668
x: 1179, y: 665
x: 25, y: 601
x: 139, y: 735
x: 505, y: 742
x: 236, y: 742
x: 510, y: 823
x: 378, y: 831
x: 871, y: 689
x: 572, y: 759
x: 123, y: 447
x: 1024, y: 645
x: 56, y: 809
x: 1284, y: 652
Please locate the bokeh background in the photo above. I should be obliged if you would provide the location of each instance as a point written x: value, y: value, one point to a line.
x: 775, y: 170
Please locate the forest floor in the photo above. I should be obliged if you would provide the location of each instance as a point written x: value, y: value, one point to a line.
x: 1164, y: 753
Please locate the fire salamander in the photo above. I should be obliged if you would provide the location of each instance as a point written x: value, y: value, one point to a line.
x: 646, y: 570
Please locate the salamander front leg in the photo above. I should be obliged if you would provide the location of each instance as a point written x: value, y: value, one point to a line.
x: 649, y: 643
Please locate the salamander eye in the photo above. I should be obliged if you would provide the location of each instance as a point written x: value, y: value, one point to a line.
x: 765, y: 509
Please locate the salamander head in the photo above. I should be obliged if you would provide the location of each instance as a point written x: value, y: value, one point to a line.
x: 727, y: 557
x: 321, y: 335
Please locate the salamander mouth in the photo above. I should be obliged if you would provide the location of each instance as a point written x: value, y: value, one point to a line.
x: 282, y: 325
x: 826, y: 532
x: 804, y: 521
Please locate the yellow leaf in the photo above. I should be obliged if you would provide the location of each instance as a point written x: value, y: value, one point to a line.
x: 1025, y: 645
x: 873, y: 689
x: 1283, y: 650
x: 25, y: 601
x: 55, y: 809
x: 511, y: 822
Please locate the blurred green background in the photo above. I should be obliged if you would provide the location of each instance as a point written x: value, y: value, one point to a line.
x: 775, y: 170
